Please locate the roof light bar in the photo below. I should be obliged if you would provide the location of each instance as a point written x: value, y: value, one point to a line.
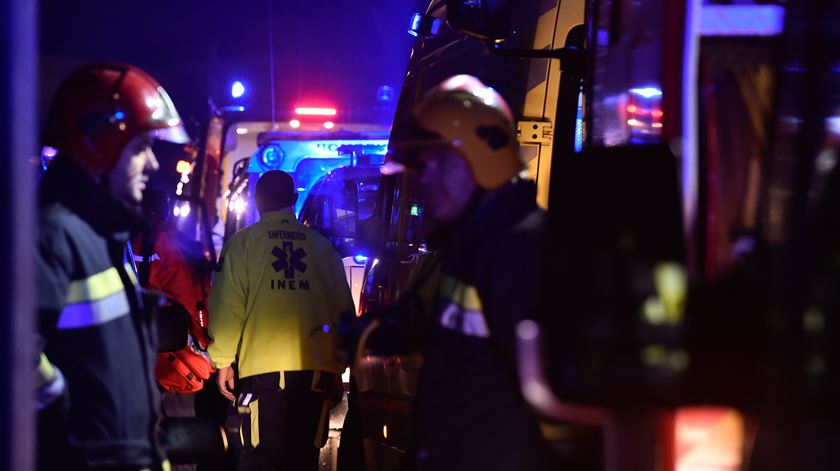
x: 305, y: 111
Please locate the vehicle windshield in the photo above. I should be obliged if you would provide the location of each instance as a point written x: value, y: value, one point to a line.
x: 341, y: 204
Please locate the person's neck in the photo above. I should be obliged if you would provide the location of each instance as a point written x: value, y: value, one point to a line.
x: 275, y: 210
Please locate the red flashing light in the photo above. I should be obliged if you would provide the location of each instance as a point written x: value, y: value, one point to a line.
x: 656, y: 113
x: 309, y: 111
x: 631, y: 109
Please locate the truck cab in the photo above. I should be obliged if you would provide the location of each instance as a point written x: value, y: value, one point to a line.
x: 402, y: 258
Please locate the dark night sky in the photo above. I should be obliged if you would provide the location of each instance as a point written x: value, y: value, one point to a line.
x: 336, y: 50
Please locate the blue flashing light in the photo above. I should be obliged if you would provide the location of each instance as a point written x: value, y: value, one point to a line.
x: 237, y: 89
x: 742, y: 20
x: 647, y: 92
x: 579, y: 125
x: 47, y: 155
x: 119, y: 115
x: 424, y: 25
x: 360, y: 259
x: 49, y: 152
x: 385, y: 94
x: 602, y: 38
x: 272, y: 156
x: 326, y: 328
x: 436, y: 26
x: 414, y: 27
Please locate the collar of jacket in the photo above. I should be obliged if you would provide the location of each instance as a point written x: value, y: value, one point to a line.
x: 280, y: 215
x: 492, y: 211
x: 501, y: 208
x: 67, y: 184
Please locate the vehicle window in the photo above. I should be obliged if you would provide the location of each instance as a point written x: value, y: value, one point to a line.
x: 406, y: 214
x: 346, y: 208
x: 367, y: 196
x: 310, y: 170
x: 394, y: 220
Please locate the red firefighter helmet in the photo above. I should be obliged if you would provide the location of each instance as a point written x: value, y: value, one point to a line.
x: 100, y: 107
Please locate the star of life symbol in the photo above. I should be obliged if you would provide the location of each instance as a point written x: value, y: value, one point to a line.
x: 289, y: 259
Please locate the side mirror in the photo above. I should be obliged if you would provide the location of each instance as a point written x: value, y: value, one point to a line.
x: 488, y: 20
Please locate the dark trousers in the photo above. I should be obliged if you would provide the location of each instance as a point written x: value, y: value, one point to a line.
x: 283, y: 429
x: 210, y: 404
x: 55, y: 452
x: 178, y: 405
x: 351, y: 452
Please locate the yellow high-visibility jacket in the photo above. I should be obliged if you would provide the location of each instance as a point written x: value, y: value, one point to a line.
x: 276, y: 299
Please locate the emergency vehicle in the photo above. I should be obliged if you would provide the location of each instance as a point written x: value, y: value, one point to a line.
x: 340, y: 207
x: 307, y: 154
x: 239, y: 144
x: 384, y: 386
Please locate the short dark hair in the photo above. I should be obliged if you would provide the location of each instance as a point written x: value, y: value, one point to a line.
x: 275, y: 190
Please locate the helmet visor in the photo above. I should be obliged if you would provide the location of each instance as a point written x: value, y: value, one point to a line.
x: 174, y: 134
x: 411, y: 139
x: 165, y: 118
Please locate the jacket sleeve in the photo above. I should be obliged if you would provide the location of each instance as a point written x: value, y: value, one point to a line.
x: 53, y: 267
x: 53, y: 281
x: 228, y: 296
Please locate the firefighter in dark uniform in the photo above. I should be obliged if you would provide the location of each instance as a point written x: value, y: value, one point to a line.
x: 469, y: 414
x: 275, y: 302
x: 92, y: 321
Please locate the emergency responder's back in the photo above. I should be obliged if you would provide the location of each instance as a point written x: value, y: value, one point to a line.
x: 282, y: 266
x: 275, y: 301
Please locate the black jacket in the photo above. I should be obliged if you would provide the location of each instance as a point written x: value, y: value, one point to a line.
x: 469, y: 412
x: 93, y: 324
